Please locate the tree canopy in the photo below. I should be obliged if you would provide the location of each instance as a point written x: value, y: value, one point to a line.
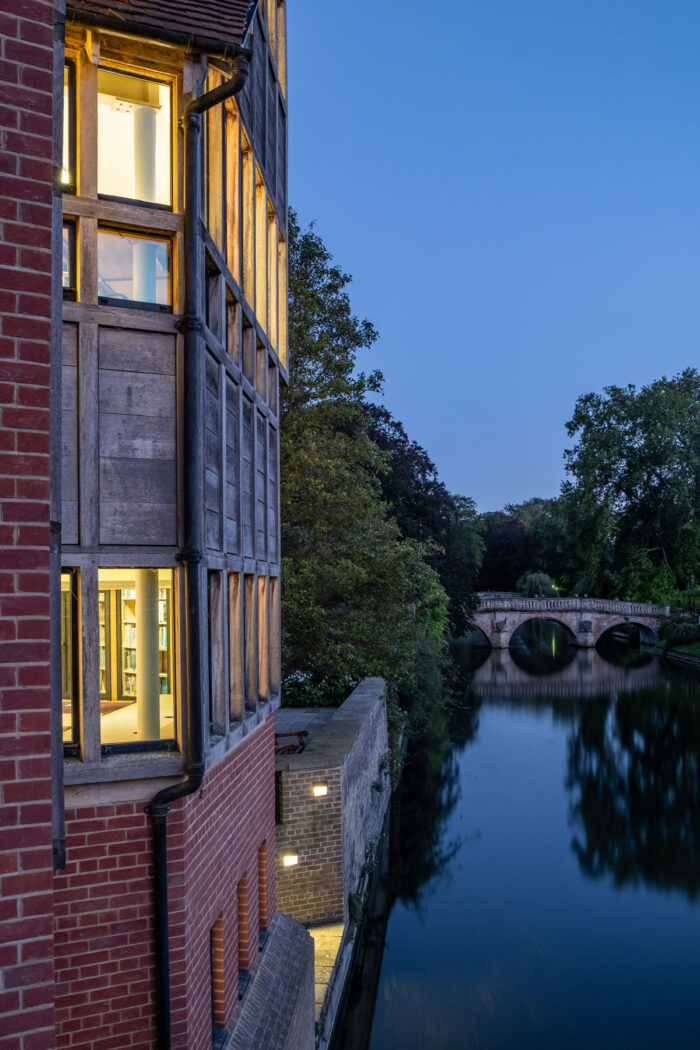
x: 627, y: 521
x: 361, y: 592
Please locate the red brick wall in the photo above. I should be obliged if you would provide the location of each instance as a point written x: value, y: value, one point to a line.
x: 104, y: 930
x: 104, y: 920
x: 26, y: 902
x: 220, y: 834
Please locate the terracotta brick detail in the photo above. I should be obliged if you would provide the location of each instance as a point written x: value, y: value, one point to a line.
x: 218, y: 996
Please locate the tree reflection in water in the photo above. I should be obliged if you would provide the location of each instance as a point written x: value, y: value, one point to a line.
x: 420, y: 851
x: 633, y: 774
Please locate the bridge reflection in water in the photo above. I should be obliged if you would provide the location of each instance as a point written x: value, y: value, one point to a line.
x: 587, y: 674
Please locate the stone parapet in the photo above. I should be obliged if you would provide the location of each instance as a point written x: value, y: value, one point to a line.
x: 329, y: 834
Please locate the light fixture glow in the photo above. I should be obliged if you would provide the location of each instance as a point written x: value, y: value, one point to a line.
x: 319, y: 790
x: 290, y: 859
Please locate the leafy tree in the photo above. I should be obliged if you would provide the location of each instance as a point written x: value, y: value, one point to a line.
x: 358, y: 597
x: 634, y: 487
x: 426, y: 511
x: 533, y: 584
x: 507, y: 551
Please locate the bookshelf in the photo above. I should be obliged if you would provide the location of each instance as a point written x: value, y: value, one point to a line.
x: 128, y: 641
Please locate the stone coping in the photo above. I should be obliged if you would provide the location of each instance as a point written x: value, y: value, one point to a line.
x: 334, y: 741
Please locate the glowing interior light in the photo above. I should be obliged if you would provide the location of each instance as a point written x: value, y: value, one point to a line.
x: 290, y: 859
x: 319, y: 790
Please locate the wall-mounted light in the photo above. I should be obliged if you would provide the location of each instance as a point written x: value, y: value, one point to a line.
x: 319, y: 790
x: 290, y: 859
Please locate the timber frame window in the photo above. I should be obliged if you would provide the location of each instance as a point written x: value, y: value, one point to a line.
x: 134, y: 139
x: 118, y: 661
x: 134, y: 269
x: 136, y: 658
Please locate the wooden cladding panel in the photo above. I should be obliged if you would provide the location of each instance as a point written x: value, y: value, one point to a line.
x: 212, y: 454
x: 270, y: 129
x: 233, y: 466
x: 281, y: 158
x: 69, y: 435
x: 259, y: 68
x: 260, y: 493
x: 137, y: 437
x: 273, y: 495
x: 247, y: 478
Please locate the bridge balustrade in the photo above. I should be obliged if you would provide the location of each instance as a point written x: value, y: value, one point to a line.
x: 490, y: 602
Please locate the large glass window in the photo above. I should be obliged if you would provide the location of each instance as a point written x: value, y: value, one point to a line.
x: 136, y: 655
x: 69, y: 676
x: 133, y: 138
x: 133, y: 268
x: 68, y: 163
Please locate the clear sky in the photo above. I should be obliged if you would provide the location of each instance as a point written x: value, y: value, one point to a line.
x: 515, y: 187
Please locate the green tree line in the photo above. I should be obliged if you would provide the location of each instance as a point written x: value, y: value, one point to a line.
x: 627, y: 520
x: 379, y: 559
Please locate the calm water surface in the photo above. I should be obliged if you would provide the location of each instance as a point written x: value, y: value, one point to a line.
x: 544, y: 874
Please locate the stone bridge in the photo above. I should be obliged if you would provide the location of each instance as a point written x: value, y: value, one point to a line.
x: 585, y: 620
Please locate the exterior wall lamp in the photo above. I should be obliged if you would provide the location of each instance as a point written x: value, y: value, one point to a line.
x: 290, y: 860
x: 319, y: 790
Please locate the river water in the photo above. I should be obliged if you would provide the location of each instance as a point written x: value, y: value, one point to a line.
x: 542, y: 885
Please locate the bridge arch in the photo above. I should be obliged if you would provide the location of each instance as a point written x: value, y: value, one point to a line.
x: 478, y: 635
x: 570, y: 634
x: 647, y: 632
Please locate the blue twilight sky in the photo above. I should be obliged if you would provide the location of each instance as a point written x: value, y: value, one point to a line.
x: 515, y: 187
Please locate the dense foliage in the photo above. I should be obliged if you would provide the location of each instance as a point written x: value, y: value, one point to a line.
x: 627, y: 522
x: 365, y: 521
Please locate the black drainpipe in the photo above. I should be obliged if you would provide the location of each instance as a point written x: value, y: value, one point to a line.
x: 190, y: 325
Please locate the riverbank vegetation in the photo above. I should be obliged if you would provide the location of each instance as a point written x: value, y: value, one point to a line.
x: 379, y: 559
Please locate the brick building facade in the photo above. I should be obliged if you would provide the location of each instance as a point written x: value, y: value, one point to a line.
x: 142, y: 343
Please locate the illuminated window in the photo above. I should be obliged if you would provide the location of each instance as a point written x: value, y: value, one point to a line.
x: 133, y: 138
x: 69, y: 654
x: 133, y: 268
x: 68, y: 179
x: 69, y: 281
x: 136, y: 656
